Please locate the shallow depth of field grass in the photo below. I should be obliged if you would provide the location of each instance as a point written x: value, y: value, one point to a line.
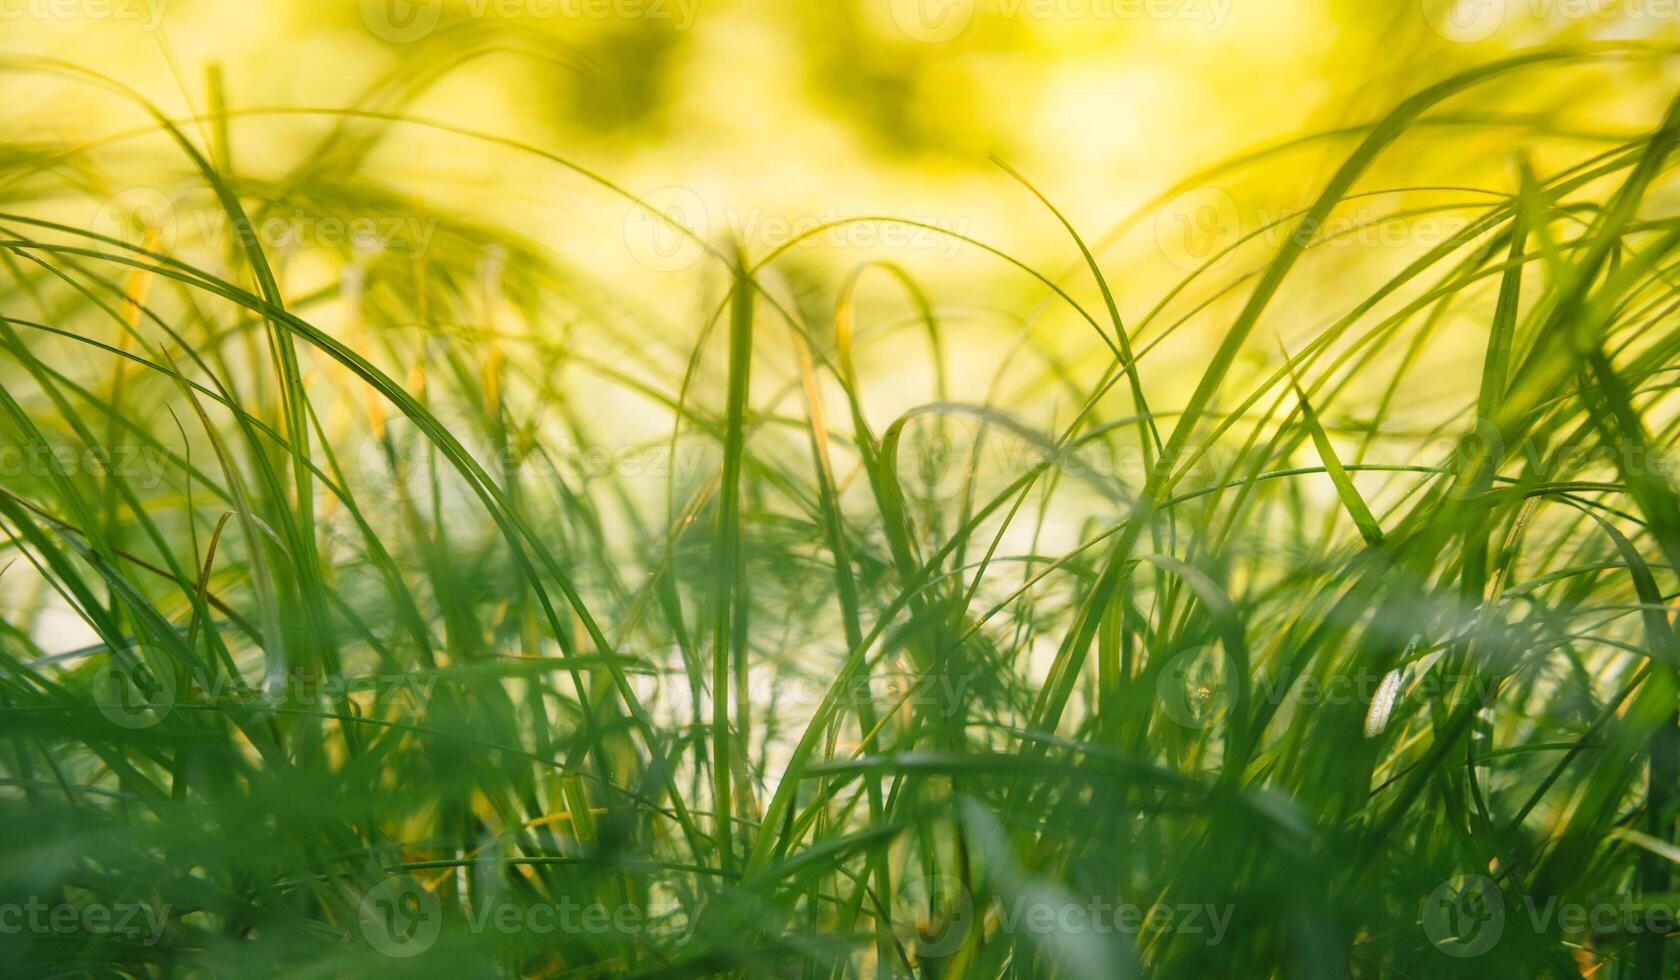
x: 355, y: 626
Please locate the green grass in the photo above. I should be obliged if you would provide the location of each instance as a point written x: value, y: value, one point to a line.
x: 403, y: 656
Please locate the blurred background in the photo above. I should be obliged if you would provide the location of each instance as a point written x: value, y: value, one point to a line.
x: 759, y: 119
x: 1177, y: 136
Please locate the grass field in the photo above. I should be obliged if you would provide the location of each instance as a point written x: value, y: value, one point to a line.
x: 389, y: 589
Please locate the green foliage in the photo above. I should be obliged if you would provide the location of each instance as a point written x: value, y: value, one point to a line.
x: 401, y: 654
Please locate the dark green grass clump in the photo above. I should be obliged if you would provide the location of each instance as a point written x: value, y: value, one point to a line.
x: 398, y: 646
